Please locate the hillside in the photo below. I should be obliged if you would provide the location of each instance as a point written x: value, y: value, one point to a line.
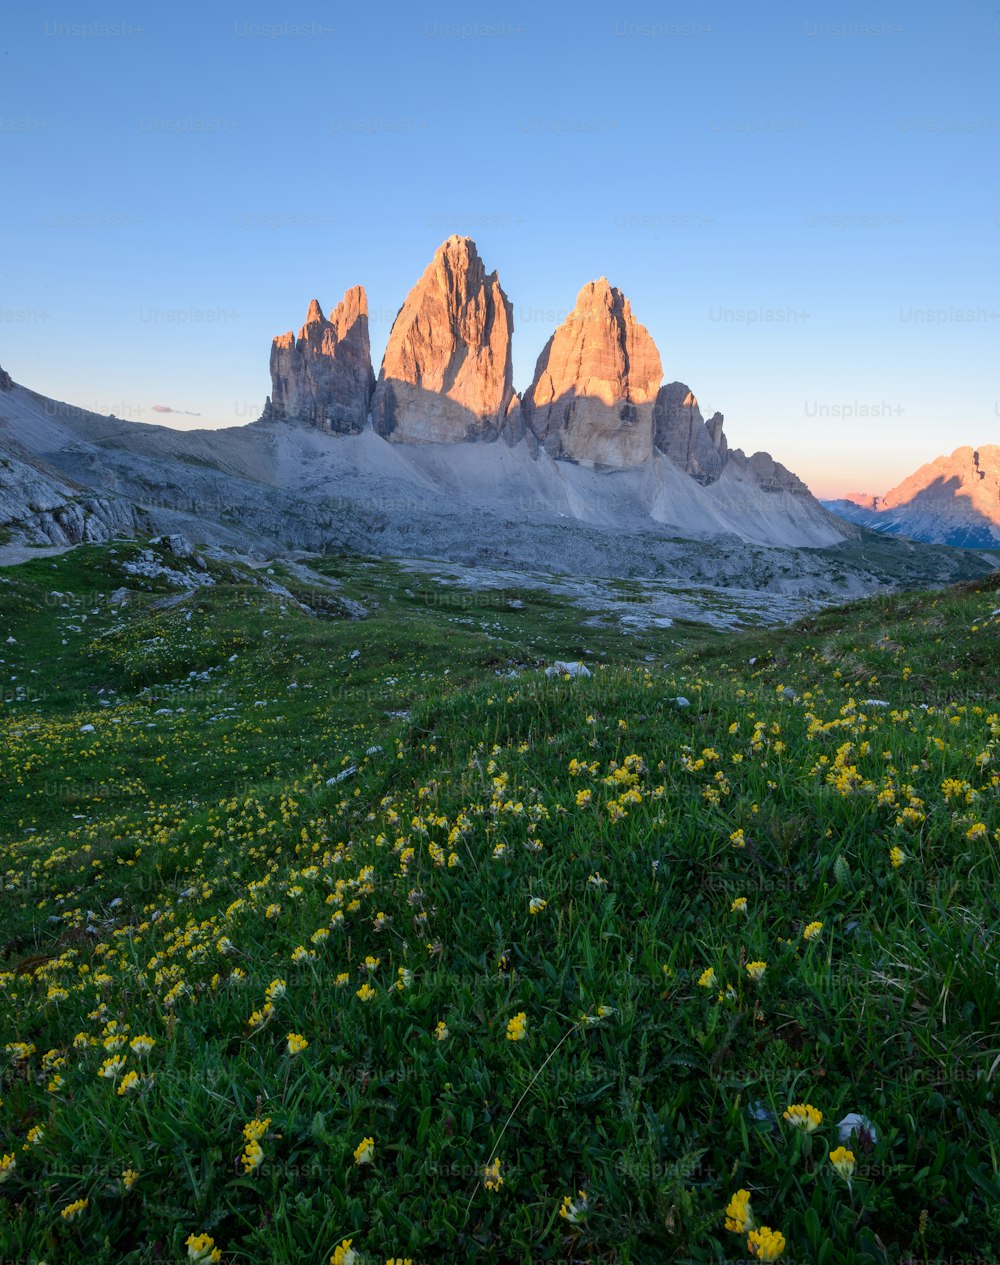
x: 275, y: 486
x: 301, y: 856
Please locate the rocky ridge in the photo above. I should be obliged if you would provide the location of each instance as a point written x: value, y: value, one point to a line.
x: 952, y: 500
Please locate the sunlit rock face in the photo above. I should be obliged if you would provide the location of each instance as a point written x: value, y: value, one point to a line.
x: 325, y: 377
x: 447, y: 374
x: 591, y: 399
x: 953, y: 500
x: 697, y: 447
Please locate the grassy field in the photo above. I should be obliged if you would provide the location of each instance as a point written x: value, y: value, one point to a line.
x: 362, y: 939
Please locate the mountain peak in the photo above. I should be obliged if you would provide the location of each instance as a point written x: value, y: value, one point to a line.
x: 315, y: 314
x: 592, y: 395
x: 447, y: 374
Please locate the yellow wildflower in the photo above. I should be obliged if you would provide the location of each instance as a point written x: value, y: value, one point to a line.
x: 256, y: 1129
x: 843, y: 1161
x: 517, y: 1027
x: 296, y: 1043
x: 252, y: 1157
x: 739, y: 1218
x: 131, y: 1082
x: 201, y: 1248
x: 73, y: 1210
x: 364, y: 1152
x: 803, y: 1116
x: 811, y: 931
x: 491, y: 1176
x: 112, y: 1068
x: 756, y: 970
x: 576, y: 1210
x: 766, y: 1244
x: 344, y: 1254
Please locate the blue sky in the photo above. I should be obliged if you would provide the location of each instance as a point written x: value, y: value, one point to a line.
x: 802, y: 202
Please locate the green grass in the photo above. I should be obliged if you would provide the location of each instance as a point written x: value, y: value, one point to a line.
x: 162, y: 869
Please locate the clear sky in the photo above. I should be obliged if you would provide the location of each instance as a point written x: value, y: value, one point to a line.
x: 801, y: 201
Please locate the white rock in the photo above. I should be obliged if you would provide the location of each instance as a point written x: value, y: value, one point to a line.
x: 855, y: 1123
x: 341, y: 777
x: 559, y: 668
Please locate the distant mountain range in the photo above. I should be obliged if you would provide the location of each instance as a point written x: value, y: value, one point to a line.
x: 950, y: 501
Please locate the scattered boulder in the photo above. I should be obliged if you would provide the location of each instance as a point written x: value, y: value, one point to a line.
x: 560, y: 668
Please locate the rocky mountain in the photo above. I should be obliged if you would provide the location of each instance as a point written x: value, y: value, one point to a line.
x: 40, y: 506
x: 324, y: 377
x: 596, y: 398
x: 447, y: 372
x: 953, y: 500
x: 591, y: 399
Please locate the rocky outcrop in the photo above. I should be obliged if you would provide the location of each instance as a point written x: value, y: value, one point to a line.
x: 447, y: 375
x: 591, y: 399
x: 38, y: 508
x: 325, y: 377
x: 5, y: 380
x: 697, y: 447
x: 768, y: 474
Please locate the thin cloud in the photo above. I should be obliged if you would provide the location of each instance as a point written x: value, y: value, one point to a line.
x: 165, y: 408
